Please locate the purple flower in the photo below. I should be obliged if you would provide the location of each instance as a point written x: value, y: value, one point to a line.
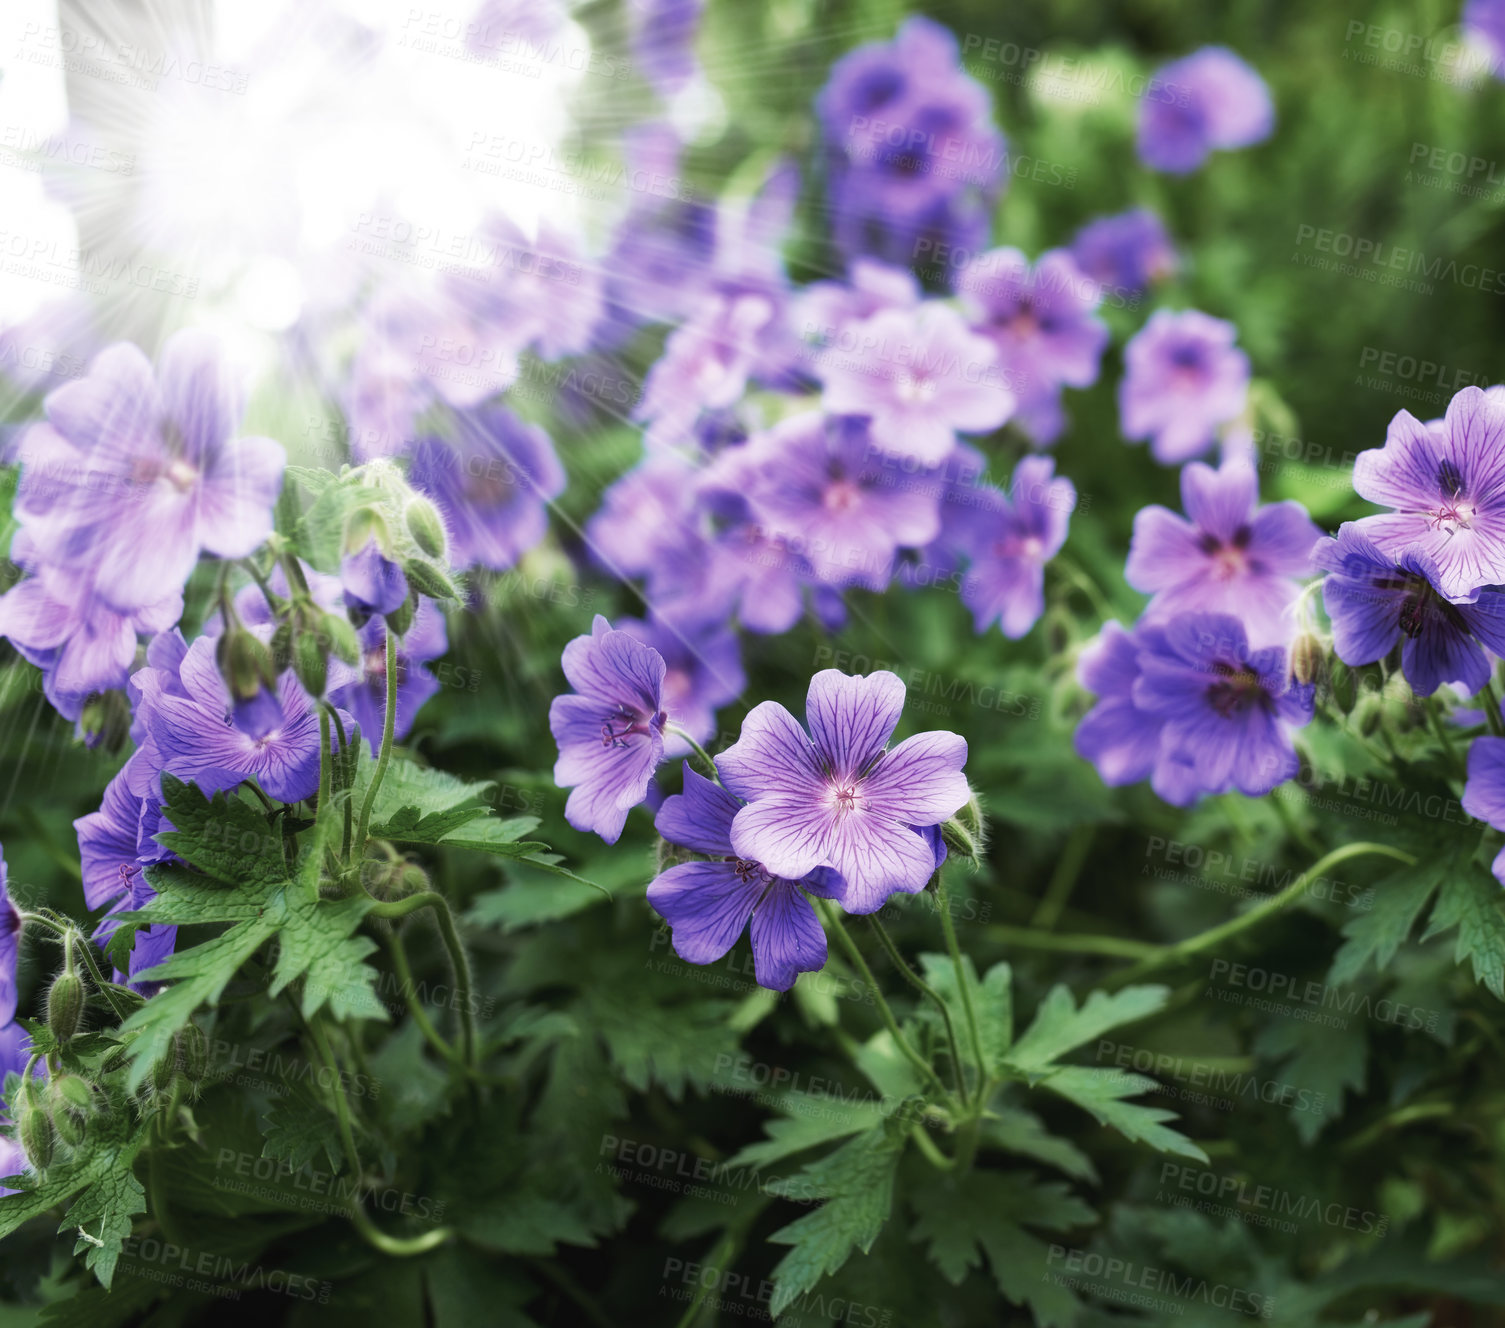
x: 1231, y: 557
x: 1009, y: 540
x: 1446, y: 482
x: 663, y: 41
x: 1228, y: 710
x: 703, y: 671
x: 493, y: 488
x: 109, y: 841
x: 57, y: 621
x: 821, y: 486
x: 645, y: 517
x: 187, y: 718
x: 373, y: 582
x: 824, y: 310
x: 1183, y: 377
x: 1484, y: 792
x: 1210, y: 99
x: 1374, y: 599
x: 366, y: 696
x: 1041, y: 322
x: 835, y: 797
x: 920, y: 376
x: 10, y: 949
x: 1125, y: 253
x: 1484, y: 22
x: 611, y: 731
x: 708, y: 904
x: 133, y: 476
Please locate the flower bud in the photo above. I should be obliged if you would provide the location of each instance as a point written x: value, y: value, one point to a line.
x: 193, y: 1052
x: 401, y: 618
x: 36, y: 1135
x: 425, y: 526
x: 342, y: 637
x: 1307, y: 658
x: 105, y: 720
x: 250, y: 673
x: 310, y: 663
x: 65, y: 1005
x: 71, y: 1101
x: 426, y: 578
x: 364, y: 526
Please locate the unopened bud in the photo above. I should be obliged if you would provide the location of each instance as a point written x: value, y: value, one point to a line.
x: 364, y: 525
x: 65, y: 1005
x: 310, y: 663
x: 1307, y: 658
x: 36, y: 1136
x: 342, y: 637
x: 401, y: 618
x: 426, y: 578
x: 425, y: 526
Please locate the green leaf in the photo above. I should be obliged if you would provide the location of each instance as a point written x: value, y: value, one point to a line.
x: 298, y: 1127
x: 857, y: 1184
x: 1379, y: 933
x: 992, y: 1005
x: 1060, y: 1027
x: 1324, y: 1059
x: 319, y: 532
x: 1019, y: 1131
x: 991, y: 1210
x: 315, y: 944
x: 1471, y: 900
x: 1101, y: 1092
x: 413, y: 1089
x: 420, y: 805
x: 222, y: 836
x: 787, y: 1136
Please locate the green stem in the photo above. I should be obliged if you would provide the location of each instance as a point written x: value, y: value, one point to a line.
x: 324, y: 759
x: 958, y: 1066
x: 272, y: 598
x: 1215, y: 936
x: 928, y: 1147
x: 1434, y: 713
x: 401, y: 1247
x: 854, y: 956
x: 388, y: 723
x: 1068, y: 868
x: 963, y: 983
x: 341, y: 1106
x: 415, y: 1006
x: 696, y: 748
x: 400, y: 908
x: 1492, y: 709
x: 82, y: 946
x: 1117, y: 947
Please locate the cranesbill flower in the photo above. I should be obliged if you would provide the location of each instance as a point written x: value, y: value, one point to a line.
x: 824, y: 310
x: 708, y: 904
x: 1230, y: 557
x: 1210, y: 99
x: 492, y: 486
x: 611, y: 730
x: 1009, y: 540
x: 663, y: 42
x: 1484, y: 792
x: 823, y: 486
x: 1375, y: 599
x: 1183, y: 377
x: 1446, y: 482
x: 836, y: 797
x: 133, y: 475
x: 10, y: 949
x: 920, y: 376
x: 366, y: 696
x: 188, y: 720
x: 1125, y: 253
x: 1228, y: 710
x: 703, y: 671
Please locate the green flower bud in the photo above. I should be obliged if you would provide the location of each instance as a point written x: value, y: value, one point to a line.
x: 106, y: 720
x: 1344, y: 685
x: 342, y: 637
x: 412, y: 879
x: 165, y: 1071
x: 36, y: 1135
x: 364, y: 525
x: 401, y: 618
x: 310, y: 663
x: 425, y: 526
x: 65, y: 1005
x: 70, y: 1128
x: 246, y: 665
x: 426, y: 578
x: 1307, y: 658
x: 71, y: 1102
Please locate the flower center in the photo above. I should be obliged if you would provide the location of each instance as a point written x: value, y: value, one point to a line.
x: 1237, y: 691
x: 845, y: 798
x: 912, y: 389
x: 841, y: 496
x: 181, y: 475
x: 616, y: 729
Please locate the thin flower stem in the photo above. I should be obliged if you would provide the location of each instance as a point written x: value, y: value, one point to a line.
x: 388, y: 725
x: 854, y: 956
x: 324, y: 771
x: 1118, y: 947
x: 928, y: 1147
x: 415, y: 1006
x: 696, y: 748
x: 400, y: 908
x: 958, y: 1066
x: 272, y: 598
x: 341, y: 1106
x: 1492, y: 709
x: 1439, y: 727
x: 963, y: 984
x: 1215, y: 936
x: 1068, y: 868
x: 81, y: 945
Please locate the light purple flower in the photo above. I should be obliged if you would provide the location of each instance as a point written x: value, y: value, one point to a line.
x: 1230, y: 557
x: 373, y: 582
x: 492, y: 487
x: 708, y: 904
x: 1009, y: 540
x: 1228, y: 710
x: 835, y: 797
x: 663, y: 41
x: 1446, y: 482
x: 824, y: 310
x: 1210, y: 99
x: 1484, y: 792
x: 1484, y: 22
x: 1375, y: 599
x: 10, y: 949
x: 1183, y: 378
x: 703, y: 671
x: 1127, y: 252
x: 920, y: 376
x: 366, y: 696
x: 825, y: 488
x: 187, y: 719
x: 611, y: 730
x: 134, y: 475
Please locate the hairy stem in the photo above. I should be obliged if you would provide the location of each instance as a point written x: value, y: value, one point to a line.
x: 384, y: 757
x: 400, y: 908
x: 958, y: 1066
x: 963, y: 985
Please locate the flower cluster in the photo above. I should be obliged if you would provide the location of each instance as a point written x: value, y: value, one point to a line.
x: 825, y: 808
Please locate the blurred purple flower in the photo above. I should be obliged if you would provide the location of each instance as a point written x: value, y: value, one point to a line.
x: 133, y: 475
x: 1484, y: 791
x: 663, y: 41
x: 492, y: 486
x: 835, y: 797
x: 1446, y: 481
x: 703, y: 671
x: 10, y: 949
x: 373, y: 582
x: 1484, y: 23
x: 1125, y: 253
x: 366, y: 696
x: 1209, y: 99
x: 610, y: 730
x: 1375, y: 599
x: 708, y: 904
x: 1231, y: 557
x: 1183, y: 377
x: 1009, y: 540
